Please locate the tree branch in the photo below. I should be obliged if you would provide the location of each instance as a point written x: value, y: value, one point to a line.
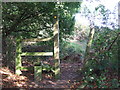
x: 110, y: 46
x: 113, y: 42
x: 16, y: 21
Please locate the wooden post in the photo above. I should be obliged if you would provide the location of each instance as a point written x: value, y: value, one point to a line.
x: 56, y: 48
x: 18, y: 57
x: 37, y: 73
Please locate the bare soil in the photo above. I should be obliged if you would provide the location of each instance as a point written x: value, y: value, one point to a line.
x: 69, y: 76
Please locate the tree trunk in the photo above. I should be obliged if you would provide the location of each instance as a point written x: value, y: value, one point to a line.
x: 89, y: 43
x: 4, y: 51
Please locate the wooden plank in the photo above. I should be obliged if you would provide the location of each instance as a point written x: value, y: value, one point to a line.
x: 37, y: 39
x: 18, y: 63
x: 56, y: 48
x: 37, y: 54
x: 26, y: 68
x: 37, y: 73
x: 57, y: 69
x: 56, y: 40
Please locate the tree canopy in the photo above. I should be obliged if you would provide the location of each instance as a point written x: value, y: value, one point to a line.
x: 29, y: 19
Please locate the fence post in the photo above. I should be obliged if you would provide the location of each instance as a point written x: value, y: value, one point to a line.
x: 37, y: 73
x: 18, y: 62
x: 56, y: 48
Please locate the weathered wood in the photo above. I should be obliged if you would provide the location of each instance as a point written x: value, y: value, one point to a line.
x: 18, y: 57
x: 35, y: 48
x: 38, y: 69
x: 37, y: 39
x: 37, y: 54
x: 57, y: 69
x: 56, y: 49
x: 24, y: 68
x: 37, y: 73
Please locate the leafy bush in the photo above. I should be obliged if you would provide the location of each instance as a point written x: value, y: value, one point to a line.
x: 68, y: 49
x: 101, y: 69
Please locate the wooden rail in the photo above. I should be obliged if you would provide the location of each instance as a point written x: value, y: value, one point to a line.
x: 37, y: 54
x: 55, y: 53
x: 37, y: 39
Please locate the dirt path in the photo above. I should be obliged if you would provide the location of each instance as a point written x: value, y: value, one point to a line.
x: 69, y: 75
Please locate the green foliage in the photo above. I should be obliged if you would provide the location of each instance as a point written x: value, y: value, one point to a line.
x: 48, y: 68
x: 28, y: 19
x: 69, y: 49
x: 102, y: 41
x: 101, y: 64
x: 95, y: 76
x: 36, y: 19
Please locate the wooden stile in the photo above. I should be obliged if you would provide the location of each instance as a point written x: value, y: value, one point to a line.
x: 38, y: 69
